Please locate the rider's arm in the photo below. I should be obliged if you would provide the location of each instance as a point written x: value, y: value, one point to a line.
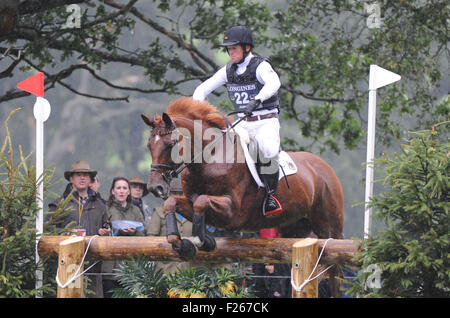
x: 215, y: 81
x: 266, y: 75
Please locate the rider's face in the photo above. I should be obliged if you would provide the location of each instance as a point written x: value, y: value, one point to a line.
x: 236, y: 53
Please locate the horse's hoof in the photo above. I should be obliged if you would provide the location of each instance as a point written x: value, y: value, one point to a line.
x: 186, y: 250
x: 209, y: 244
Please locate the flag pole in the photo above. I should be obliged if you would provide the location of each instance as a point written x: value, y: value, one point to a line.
x: 378, y: 77
x: 369, y: 161
x: 41, y: 111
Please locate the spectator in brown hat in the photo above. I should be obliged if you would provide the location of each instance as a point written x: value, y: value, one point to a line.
x: 138, y: 190
x: 85, y: 210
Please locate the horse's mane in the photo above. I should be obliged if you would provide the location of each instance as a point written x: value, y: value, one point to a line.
x: 196, y: 110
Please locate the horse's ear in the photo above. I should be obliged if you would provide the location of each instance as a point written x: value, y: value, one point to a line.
x: 168, y: 121
x: 149, y: 121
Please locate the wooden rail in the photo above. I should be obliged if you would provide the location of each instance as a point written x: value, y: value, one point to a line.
x: 250, y: 250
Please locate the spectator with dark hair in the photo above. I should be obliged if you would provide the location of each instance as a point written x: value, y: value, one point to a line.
x: 120, y: 208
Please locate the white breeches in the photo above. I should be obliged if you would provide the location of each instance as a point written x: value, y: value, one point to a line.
x: 266, y: 132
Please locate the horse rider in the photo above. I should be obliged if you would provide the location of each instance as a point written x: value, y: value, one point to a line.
x: 252, y: 86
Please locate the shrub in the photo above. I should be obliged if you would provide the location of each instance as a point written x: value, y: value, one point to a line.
x: 18, y: 209
x: 140, y: 278
x: 411, y: 254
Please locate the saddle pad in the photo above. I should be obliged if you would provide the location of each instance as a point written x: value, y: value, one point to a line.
x: 286, y: 163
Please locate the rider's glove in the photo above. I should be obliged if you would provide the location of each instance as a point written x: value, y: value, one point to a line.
x: 251, y: 106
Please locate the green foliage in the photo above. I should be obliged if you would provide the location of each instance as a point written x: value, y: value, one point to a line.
x: 412, y: 252
x: 322, y: 50
x: 140, y: 278
x: 18, y: 210
x: 17, y: 229
x: 208, y: 282
x: 157, y: 50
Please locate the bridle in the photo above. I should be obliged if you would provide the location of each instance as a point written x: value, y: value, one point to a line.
x: 168, y: 171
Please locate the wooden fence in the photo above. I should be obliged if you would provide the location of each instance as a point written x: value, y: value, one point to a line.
x: 301, y: 253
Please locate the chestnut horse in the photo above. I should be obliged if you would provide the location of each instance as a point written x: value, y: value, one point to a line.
x: 225, y: 195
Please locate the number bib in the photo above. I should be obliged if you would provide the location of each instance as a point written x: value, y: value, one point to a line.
x: 244, y: 87
x: 241, y: 94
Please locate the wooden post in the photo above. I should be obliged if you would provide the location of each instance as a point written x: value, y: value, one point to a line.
x: 70, y: 256
x: 304, y: 258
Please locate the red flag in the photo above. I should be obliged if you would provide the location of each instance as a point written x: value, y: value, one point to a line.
x: 33, y: 84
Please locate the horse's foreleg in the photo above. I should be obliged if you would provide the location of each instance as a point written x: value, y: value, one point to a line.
x: 218, y: 204
x: 184, y: 247
x: 203, y: 241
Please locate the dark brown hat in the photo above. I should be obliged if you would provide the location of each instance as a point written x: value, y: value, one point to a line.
x: 79, y: 166
x: 139, y: 181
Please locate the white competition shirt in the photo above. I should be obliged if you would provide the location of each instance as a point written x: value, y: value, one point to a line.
x: 264, y: 74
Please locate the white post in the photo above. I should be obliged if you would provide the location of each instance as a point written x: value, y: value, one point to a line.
x: 40, y: 192
x: 41, y: 112
x: 369, y: 160
x: 378, y: 77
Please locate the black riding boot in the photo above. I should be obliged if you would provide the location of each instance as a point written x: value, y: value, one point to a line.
x: 271, y: 206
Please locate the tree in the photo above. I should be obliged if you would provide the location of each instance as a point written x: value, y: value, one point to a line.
x: 132, y: 57
x: 323, y: 50
x: 18, y: 209
x: 410, y: 256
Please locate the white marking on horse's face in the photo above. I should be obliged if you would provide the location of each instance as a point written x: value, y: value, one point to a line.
x: 156, y: 139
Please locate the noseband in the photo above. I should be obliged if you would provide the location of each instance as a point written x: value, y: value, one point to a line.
x: 169, y: 172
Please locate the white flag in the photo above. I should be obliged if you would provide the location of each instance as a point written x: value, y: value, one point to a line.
x: 380, y: 77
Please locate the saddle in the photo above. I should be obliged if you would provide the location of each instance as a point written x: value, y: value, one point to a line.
x: 286, y: 165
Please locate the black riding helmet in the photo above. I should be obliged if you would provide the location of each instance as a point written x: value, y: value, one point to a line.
x: 238, y: 35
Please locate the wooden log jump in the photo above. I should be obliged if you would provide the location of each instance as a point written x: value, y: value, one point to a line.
x: 301, y: 253
x: 229, y: 250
